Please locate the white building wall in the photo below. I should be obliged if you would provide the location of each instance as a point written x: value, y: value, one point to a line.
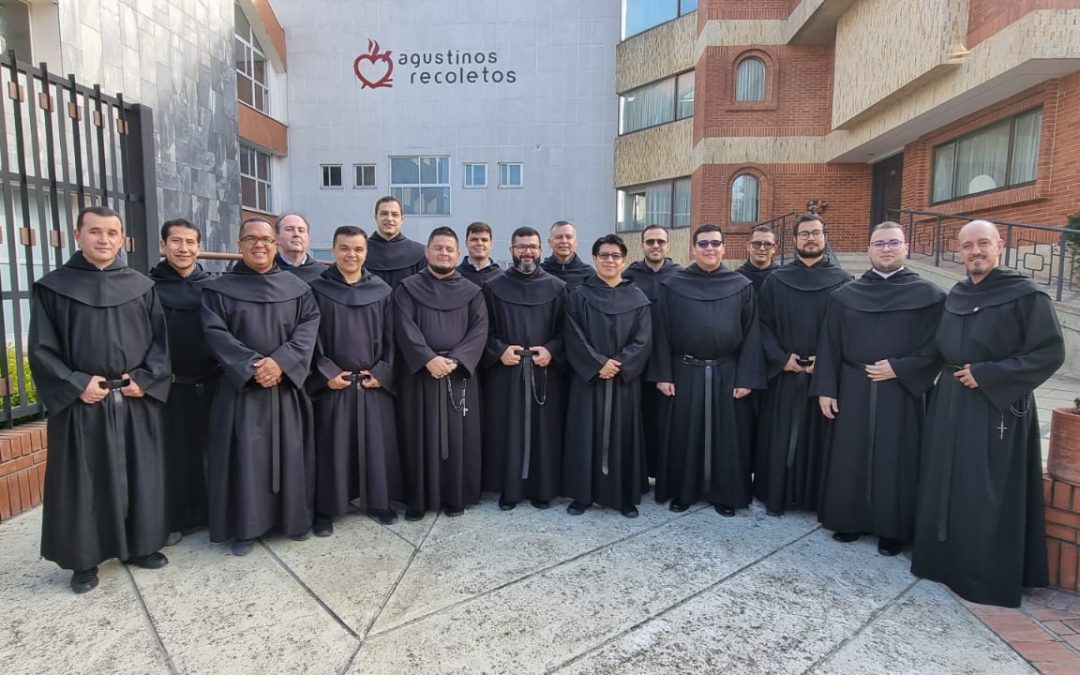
x: 558, y: 118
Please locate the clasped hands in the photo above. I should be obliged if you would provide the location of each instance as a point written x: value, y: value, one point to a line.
x: 512, y: 357
x: 94, y: 392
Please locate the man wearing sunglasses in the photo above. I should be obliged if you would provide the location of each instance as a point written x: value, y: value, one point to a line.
x: 648, y: 273
x: 706, y: 360
x: 759, y: 260
x: 788, y: 452
x: 875, y: 362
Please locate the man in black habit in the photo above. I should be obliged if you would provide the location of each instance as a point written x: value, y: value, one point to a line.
x: 179, y: 280
x: 356, y: 449
x: 293, y: 237
x: 707, y: 358
x: 791, y: 429
x: 648, y: 274
x: 607, y: 339
x: 979, y: 509
x: 391, y: 256
x: 478, y: 267
x: 261, y: 323
x: 98, y: 351
x: 874, y: 364
x: 759, y: 256
x: 523, y: 391
x: 441, y: 326
x: 564, y: 263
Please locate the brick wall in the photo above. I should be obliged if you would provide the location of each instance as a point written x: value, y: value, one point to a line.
x: 986, y: 17
x: 745, y: 9
x: 22, y: 468
x: 1062, y: 529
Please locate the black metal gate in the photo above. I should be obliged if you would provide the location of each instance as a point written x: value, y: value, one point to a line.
x: 63, y: 145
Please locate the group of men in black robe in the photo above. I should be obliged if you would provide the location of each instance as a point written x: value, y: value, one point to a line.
x: 390, y: 377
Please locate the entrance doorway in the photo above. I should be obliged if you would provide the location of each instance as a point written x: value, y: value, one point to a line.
x: 885, y: 188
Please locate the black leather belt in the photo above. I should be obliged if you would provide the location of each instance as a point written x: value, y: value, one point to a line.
x: 605, y: 444
x: 357, y: 381
x: 275, y: 439
x: 114, y: 412
x: 946, y: 485
x: 527, y: 378
x: 710, y: 372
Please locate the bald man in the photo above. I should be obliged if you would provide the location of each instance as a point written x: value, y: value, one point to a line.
x: 979, y: 508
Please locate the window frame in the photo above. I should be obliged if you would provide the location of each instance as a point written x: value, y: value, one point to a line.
x: 252, y: 48
x: 266, y: 182
x: 764, y: 80
x: 328, y: 174
x: 673, y: 183
x: 521, y: 176
x: 466, y: 171
x: 757, y: 198
x: 374, y: 176
x: 955, y: 143
x: 674, y: 79
x: 396, y: 188
x: 679, y: 13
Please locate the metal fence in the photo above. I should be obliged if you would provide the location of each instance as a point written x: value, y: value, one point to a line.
x: 1044, y: 253
x: 63, y: 145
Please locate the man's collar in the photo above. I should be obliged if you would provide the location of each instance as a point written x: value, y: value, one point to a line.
x: 886, y: 275
x: 473, y: 265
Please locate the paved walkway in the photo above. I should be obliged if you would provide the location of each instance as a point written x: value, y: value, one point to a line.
x: 524, y: 591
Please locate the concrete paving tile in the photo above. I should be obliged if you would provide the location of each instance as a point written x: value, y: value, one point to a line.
x: 780, y: 615
x: 216, y: 612
x: 927, y: 631
x: 1057, y: 652
x: 488, y: 548
x: 353, y: 571
x: 1047, y: 614
x: 48, y: 629
x: 543, y: 620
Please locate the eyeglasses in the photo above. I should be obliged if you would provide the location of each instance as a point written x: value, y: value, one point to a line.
x: 811, y: 234
x: 706, y: 243
x: 522, y: 248
x: 765, y: 245
x: 655, y: 242
x: 886, y: 243
x: 614, y: 257
x: 251, y: 240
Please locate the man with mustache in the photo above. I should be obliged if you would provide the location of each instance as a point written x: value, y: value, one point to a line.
x: 441, y: 326
x: 523, y: 389
x: 293, y: 238
x: 564, y: 263
x: 791, y: 429
x: 875, y: 362
x: 391, y: 256
x: 979, y: 524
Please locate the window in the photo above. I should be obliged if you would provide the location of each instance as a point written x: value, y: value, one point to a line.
x: 255, y: 179
x: 744, y: 199
x: 1003, y: 154
x: 331, y: 175
x: 665, y: 203
x: 750, y: 80
x: 422, y: 184
x: 661, y: 102
x: 641, y: 15
x: 363, y: 176
x: 475, y: 175
x: 510, y: 174
x: 251, y: 66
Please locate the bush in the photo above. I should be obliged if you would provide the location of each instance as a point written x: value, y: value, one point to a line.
x: 13, y: 370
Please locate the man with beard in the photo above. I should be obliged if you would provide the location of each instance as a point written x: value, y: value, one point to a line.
x: 356, y: 449
x: 874, y: 364
x: 179, y: 280
x: 759, y: 256
x: 98, y: 350
x: 293, y: 238
x: 441, y: 326
x: 478, y: 267
x: 261, y: 323
x: 648, y: 274
x: 608, y: 337
x: 790, y: 436
x: 391, y: 256
x: 564, y: 262
x: 707, y: 358
x: 979, y: 509
x: 523, y: 391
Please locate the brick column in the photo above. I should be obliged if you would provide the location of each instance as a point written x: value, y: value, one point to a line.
x: 22, y: 468
x: 1062, y: 532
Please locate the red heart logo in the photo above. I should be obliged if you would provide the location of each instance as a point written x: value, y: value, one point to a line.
x: 375, y: 68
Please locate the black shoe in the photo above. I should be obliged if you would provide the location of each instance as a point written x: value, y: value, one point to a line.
x: 387, y: 517
x: 677, y: 507
x: 506, y: 505
x: 725, y: 511
x: 301, y: 537
x: 323, y: 526
x: 413, y: 516
x: 84, y: 581
x: 174, y: 538
x: 630, y: 512
x: 845, y: 537
x: 152, y: 561
x: 241, y: 547
x: 576, y: 508
x: 453, y: 512
x: 773, y: 512
x: 889, y: 547
x: 540, y: 504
